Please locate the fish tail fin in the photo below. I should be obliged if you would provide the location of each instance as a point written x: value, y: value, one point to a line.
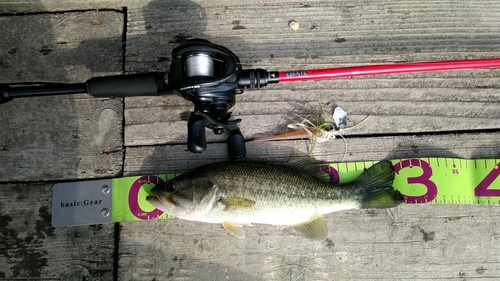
x: 376, y: 187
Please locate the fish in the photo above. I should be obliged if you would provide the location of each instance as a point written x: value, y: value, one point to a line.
x: 237, y: 194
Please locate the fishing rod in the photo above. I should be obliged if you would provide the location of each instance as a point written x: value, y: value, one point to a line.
x: 210, y: 76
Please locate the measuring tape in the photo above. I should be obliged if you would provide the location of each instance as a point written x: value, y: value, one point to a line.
x: 420, y: 180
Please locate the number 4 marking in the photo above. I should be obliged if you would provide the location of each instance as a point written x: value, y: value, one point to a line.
x: 482, y: 187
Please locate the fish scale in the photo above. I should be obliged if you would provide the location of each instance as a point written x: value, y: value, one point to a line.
x: 287, y: 185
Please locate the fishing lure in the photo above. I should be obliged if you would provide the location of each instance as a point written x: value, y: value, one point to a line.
x: 317, y: 129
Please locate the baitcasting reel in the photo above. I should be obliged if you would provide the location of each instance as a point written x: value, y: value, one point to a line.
x: 210, y: 76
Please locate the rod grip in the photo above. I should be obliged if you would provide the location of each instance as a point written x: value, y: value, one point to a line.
x: 143, y: 84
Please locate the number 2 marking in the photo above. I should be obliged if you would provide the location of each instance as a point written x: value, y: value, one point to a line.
x: 422, y: 179
x: 482, y: 187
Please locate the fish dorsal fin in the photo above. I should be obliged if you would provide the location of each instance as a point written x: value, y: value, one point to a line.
x: 234, y: 229
x: 315, y: 228
x: 302, y: 164
x: 231, y: 203
x: 309, y: 167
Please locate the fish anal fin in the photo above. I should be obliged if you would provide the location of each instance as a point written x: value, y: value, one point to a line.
x: 234, y: 229
x: 315, y: 228
x: 231, y: 203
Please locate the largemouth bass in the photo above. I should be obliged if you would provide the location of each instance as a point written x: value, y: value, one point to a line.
x: 236, y: 194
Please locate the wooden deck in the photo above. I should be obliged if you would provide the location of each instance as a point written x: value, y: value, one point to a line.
x: 55, y: 139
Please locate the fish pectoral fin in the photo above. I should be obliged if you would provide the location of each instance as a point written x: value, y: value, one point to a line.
x: 315, y: 228
x: 234, y: 229
x: 231, y: 203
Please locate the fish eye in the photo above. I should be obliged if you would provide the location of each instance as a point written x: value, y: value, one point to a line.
x: 170, y: 187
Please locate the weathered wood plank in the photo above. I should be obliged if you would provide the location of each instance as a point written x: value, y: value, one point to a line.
x: 408, y: 243
x: 411, y: 242
x: 176, y: 158
x: 436, y: 242
x: 63, y: 137
x: 373, y: 30
x: 263, y: 113
x: 31, y: 249
x: 331, y: 34
x: 44, y: 6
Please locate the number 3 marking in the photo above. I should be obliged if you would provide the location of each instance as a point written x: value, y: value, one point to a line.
x: 423, y: 179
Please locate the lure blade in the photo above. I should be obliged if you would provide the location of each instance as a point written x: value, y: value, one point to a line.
x: 340, y: 118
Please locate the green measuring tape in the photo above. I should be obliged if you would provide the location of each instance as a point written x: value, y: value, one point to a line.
x: 420, y: 180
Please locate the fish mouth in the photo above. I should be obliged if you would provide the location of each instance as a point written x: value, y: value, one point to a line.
x: 162, y: 203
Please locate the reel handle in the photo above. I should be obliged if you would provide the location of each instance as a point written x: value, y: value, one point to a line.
x: 196, y: 134
x: 236, y: 145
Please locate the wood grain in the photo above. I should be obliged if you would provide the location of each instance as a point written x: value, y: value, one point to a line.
x: 162, y: 124
x: 176, y: 158
x: 62, y: 137
x: 443, y: 114
x: 331, y: 34
x: 56, y: 138
x: 446, y: 114
x: 411, y: 242
x: 31, y: 249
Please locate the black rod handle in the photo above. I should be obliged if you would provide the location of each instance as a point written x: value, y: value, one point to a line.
x: 8, y: 92
x: 142, y: 84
